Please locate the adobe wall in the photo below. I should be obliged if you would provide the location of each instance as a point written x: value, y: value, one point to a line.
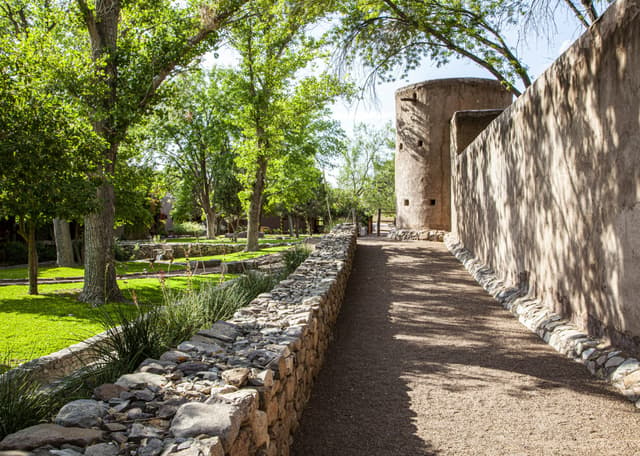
x: 549, y: 193
x: 423, y: 179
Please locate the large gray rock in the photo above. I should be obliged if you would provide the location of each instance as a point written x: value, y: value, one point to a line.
x: 141, y: 379
x: 216, y: 420
x: 83, y: 413
x: 102, y: 449
x: 49, y: 434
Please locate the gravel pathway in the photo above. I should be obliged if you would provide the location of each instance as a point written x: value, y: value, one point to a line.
x: 425, y: 362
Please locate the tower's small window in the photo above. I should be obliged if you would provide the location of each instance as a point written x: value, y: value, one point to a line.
x: 420, y: 143
x: 406, y: 202
x: 415, y: 96
x: 432, y: 202
x: 400, y: 146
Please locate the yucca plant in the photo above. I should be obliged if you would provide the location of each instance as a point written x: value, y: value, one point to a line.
x: 294, y: 257
x: 22, y: 402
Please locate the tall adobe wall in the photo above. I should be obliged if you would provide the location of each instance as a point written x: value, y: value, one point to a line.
x: 548, y: 195
x: 423, y: 164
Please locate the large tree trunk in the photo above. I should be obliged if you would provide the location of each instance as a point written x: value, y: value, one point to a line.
x: 290, y: 218
x: 33, y: 259
x: 100, y: 284
x: 64, y: 246
x: 210, y: 215
x: 255, y: 206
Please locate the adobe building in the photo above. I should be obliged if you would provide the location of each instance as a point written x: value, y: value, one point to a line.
x: 423, y: 164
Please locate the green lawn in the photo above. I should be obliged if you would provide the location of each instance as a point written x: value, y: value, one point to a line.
x: 54, y: 272
x: 33, y: 326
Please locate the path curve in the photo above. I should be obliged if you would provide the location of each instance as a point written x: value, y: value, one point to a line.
x: 425, y: 362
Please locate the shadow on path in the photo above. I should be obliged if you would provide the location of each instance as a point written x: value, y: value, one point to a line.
x: 425, y: 362
x: 359, y: 404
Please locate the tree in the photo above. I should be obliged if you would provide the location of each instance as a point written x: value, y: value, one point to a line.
x: 369, y: 147
x: 46, y: 141
x: 275, y: 98
x: 46, y: 151
x: 134, y: 48
x: 380, y: 194
x: 193, y: 132
x: 64, y: 245
x: 385, y: 35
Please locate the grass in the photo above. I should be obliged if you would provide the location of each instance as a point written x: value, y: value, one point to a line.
x: 54, y: 272
x: 33, y: 326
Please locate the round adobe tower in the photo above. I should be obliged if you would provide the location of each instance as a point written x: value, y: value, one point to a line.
x: 423, y: 163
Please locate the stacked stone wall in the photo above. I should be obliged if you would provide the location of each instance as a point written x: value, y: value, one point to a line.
x: 238, y: 388
x: 143, y: 251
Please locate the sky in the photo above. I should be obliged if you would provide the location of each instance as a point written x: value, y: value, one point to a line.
x: 537, y: 53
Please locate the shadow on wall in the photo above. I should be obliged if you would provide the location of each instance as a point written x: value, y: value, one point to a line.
x: 552, y: 187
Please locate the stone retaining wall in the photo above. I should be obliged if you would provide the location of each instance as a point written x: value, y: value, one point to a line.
x: 416, y: 235
x: 138, y: 251
x: 237, y: 388
x: 603, y: 360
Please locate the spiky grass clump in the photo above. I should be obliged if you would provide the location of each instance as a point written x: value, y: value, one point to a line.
x: 196, y: 309
x: 294, y: 257
x: 22, y: 402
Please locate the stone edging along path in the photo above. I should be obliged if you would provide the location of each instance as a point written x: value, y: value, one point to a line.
x: 237, y: 388
x: 602, y: 360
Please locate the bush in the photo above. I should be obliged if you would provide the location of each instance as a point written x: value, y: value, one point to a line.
x: 191, y: 310
x: 120, y: 253
x: 188, y: 228
x: 133, y: 335
x: 13, y: 252
x: 46, y: 251
x: 294, y: 257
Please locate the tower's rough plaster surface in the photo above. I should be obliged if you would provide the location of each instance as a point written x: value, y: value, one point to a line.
x: 423, y: 166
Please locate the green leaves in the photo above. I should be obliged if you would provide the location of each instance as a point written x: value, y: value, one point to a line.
x: 390, y: 35
x: 47, y: 146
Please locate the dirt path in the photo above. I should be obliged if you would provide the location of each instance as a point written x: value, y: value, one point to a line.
x: 425, y: 362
